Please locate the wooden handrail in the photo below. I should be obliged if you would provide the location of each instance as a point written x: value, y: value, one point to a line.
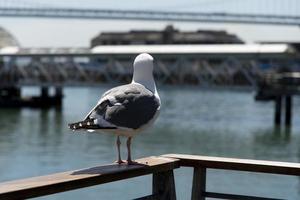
x: 202, y: 163
x: 163, y: 177
x: 60, y: 182
x: 272, y: 167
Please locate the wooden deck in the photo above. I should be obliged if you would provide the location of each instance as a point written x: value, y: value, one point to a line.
x: 163, y: 177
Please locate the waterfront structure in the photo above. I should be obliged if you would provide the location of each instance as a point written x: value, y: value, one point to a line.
x: 205, y: 65
x: 277, y: 87
x: 175, y: 64
x: 169, y: 35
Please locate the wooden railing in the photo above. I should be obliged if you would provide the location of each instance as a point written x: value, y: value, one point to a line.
x: 160, y: 167
x: 202, y: 163
x: 163, y: 177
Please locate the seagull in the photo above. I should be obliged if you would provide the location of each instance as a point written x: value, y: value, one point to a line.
x: 128, y: 109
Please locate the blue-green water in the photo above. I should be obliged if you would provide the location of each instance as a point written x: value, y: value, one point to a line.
x: 194, y: 121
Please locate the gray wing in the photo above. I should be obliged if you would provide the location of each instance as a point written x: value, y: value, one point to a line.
x: 101, y: 105
x: 129, y: 106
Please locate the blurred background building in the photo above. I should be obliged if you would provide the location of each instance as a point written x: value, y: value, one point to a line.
x: 169, y: 35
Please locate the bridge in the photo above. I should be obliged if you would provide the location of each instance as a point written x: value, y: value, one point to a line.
x: 233, y: 11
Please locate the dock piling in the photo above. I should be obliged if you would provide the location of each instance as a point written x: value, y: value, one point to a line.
x: 288, y: 110
x: 58, y: 92
x: 44, y: 92
x: 58, y: 95
x: 278, y: 105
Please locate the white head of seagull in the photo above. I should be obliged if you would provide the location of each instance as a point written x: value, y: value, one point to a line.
x: 143, y: 71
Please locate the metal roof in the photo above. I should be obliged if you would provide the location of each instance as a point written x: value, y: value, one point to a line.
x: 195, y: 49
x: 223, y: 49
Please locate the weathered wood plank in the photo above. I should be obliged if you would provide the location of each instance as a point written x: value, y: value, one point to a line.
x: 273, y: 167
x: 199, y: 184
x: 164, y: 185
x: 60, y: 182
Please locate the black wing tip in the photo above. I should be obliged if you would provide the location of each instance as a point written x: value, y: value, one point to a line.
x: 72, y: 126
x: 82, y: 125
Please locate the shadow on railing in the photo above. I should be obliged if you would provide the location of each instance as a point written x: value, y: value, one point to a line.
x: 163, y: 177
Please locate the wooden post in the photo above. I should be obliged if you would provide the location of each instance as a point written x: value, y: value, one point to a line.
x: 288, y: 110
x: 277, y: 118
x: 44, y: 92
x: 58, y: 96
x: 58, y: 92
x: 164, y: 185
x: 199, y: 184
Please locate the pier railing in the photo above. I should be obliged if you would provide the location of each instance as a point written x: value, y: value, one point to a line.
x: 202, y: 163
x: 160, y: 167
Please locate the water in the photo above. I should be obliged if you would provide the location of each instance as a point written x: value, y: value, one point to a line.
x: 206, y: 122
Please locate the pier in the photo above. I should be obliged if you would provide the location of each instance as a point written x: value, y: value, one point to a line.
x: 280, y: 87
x: 10, y: 97
x: 162, y: 169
